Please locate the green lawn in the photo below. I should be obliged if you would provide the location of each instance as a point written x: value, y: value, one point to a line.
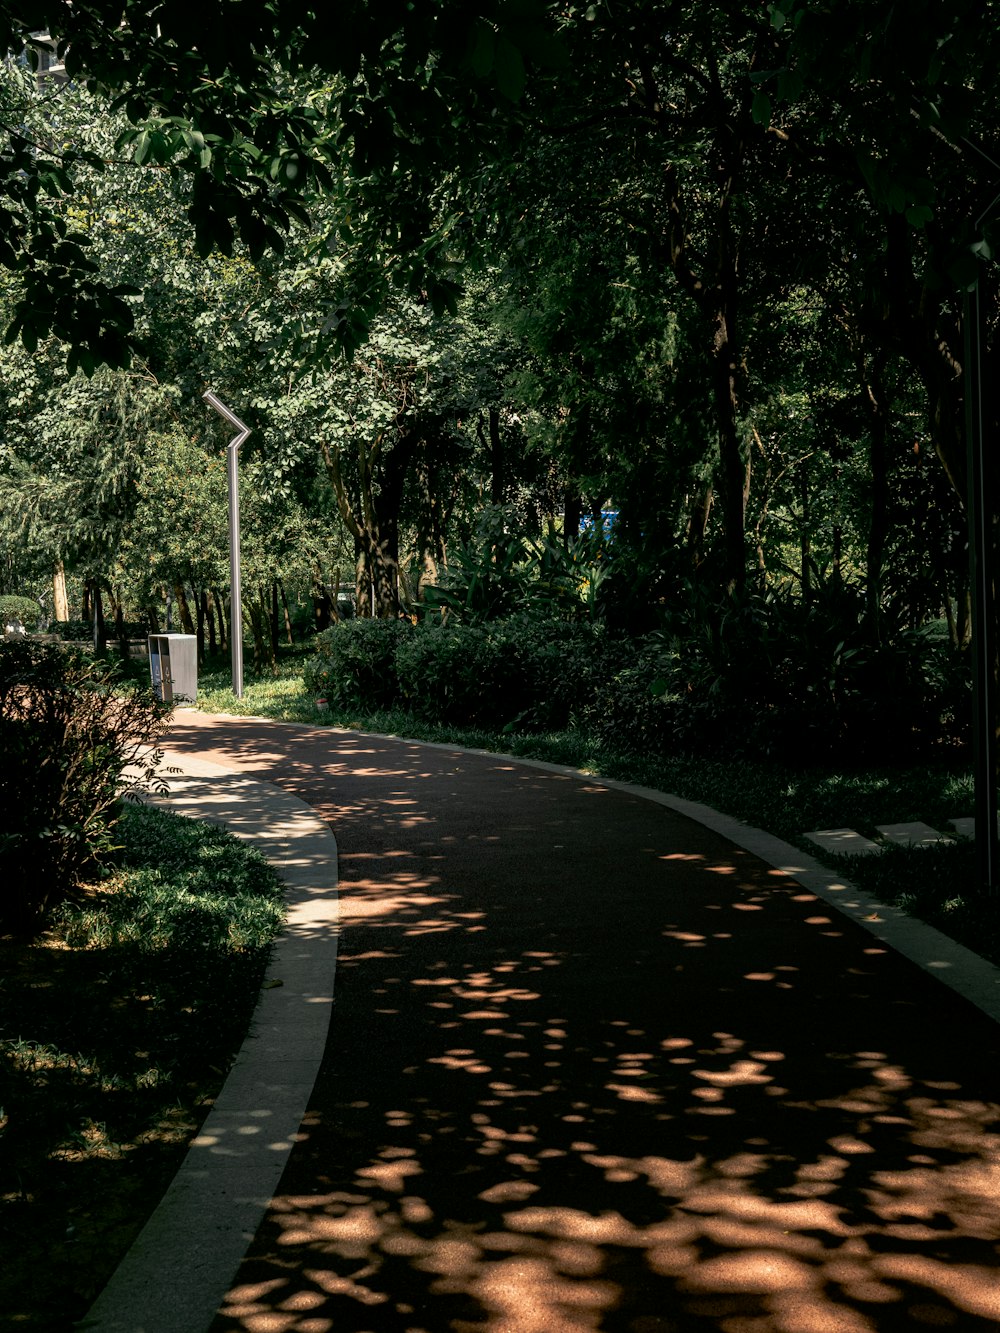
x: 117, y: 1028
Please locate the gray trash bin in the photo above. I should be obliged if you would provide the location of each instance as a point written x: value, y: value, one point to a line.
x: 173, y: 667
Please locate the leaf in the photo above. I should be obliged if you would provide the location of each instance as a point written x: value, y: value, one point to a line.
x: 481, y: 43
x: 142, y: 148
x: 919, y: 214
x: 509, y: 67
x: 761, y: 108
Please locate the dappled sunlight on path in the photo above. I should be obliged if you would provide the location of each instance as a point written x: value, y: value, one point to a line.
x: 592, y: 1068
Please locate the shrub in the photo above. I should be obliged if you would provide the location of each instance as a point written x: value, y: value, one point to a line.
x: 83, y: 630
x: 69, y: 726
x: 24, y: 609
x: 354, y: 663
x: 777, y: 675
x: 632, y: 711
x: 522, y: 672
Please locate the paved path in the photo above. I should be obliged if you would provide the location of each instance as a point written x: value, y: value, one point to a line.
x: 592, y: 1067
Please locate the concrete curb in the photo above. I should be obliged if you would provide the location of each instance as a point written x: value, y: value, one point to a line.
x: 177, y: 1273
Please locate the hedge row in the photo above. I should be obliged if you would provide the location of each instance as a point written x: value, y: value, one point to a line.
x: 520, y: 673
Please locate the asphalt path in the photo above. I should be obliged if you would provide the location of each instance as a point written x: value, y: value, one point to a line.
x: 593, y: 1067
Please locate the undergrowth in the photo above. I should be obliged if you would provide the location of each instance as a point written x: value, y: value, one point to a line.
x: 117, y: 1027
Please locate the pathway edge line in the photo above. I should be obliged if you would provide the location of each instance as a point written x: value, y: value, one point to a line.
x: 176, y: 1274
x: 954, y: 965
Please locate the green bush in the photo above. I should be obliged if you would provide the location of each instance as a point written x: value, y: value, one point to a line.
x: 83, y: 630
x: 519, y: 673
x: 774, y: 674
x: 69, y: 726
x: 632, y: 712
x: 24, y: 609
x: 354, y: 663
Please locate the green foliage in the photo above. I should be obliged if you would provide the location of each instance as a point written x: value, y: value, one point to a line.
x: 24, y: 609
x: 354, y: 663
x: 631, y: 713
x: 522, y: 673
x: 69, y: 726
x: 779, y: 674
x: 204, y: 894
x: 501, y: 571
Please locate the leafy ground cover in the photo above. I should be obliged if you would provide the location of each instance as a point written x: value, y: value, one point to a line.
x: 936, y: 885
x: 117, y: 1027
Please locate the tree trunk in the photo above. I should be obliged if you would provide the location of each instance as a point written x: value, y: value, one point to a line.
x: 220, y: 603
x: 274, y: 622
x: 100, y: 628
x: 878, y: 529
x: 206, y: 607
x: 734, y: 467
x: 184, y: 609
x: 697, y: 526
x: 374, y: 521
x: 572, y: 513
x: 496, y: 458
x: 290, y: 638
x: 60, y: 602
x: 199, y: 601
x: 805, y: 542
x: 120, y: 634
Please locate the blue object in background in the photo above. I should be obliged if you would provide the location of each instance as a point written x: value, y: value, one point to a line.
x: 609, y: 517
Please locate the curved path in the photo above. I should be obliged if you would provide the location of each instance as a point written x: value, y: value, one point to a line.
x: 593, y: 1067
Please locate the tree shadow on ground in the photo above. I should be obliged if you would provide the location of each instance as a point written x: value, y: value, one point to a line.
x: 593, y: 1069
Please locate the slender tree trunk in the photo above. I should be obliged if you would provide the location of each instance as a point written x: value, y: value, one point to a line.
x: 496, y: 458
x: 374, y: 522
x: 207, y: 612
x: 184, y: 609
x: 572, y: 513
x: 120, y: 634
x: 697, y: 526
x: 221, y: 610
x: 100, y: 628
x: 256, y: 610
x: 805, y: 541
x: 199, y: 601
x: 878, y: 528
x: 290, y: 638
x: 60, y: 602
x: 274, y: 622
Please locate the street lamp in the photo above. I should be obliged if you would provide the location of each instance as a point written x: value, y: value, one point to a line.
x: 235, y: 595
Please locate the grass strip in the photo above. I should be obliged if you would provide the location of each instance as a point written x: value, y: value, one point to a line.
x: 117, y: 1028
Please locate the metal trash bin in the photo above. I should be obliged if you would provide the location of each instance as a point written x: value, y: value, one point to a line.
x: 173, y: 667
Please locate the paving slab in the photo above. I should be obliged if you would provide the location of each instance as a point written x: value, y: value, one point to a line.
x: 912, y: 834
x: 845, y: 841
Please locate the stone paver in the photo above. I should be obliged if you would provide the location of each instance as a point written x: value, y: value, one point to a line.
x: 912, y: 834
x: 844, y: 841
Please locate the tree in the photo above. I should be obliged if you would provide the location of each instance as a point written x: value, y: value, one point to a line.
x: 220, y: 100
